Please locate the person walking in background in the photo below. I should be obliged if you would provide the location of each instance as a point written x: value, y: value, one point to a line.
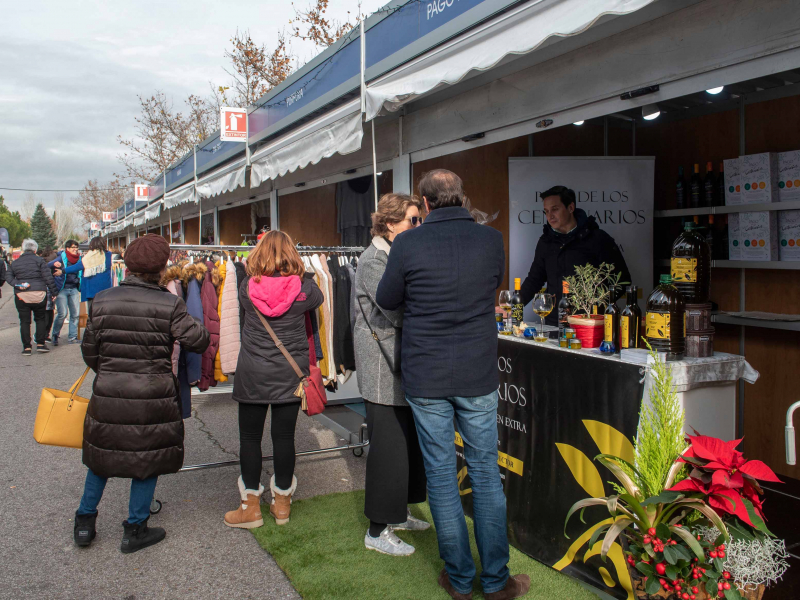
x: 94, y: 268
x: 395, y: 471
x: 133, y: 427
x: 277, y: 290
x: 68, y: 295
x: 32, y: 282
x: 50, y: 255
x: 446, y: 273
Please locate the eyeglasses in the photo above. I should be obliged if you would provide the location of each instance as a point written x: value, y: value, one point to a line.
x: 415, y: 221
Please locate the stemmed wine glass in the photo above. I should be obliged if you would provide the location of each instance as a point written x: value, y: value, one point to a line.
x: 543, y: 306
x: 505, y: 304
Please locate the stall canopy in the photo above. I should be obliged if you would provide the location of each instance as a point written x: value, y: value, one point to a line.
x: 517, y: 31
x: 138, y: 220
x: 152, y: 212
x: 340, y: 130
x: 185, y: 193
x: 224, y: 179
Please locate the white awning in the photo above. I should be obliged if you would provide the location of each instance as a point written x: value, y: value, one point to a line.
x: 340, y: 131
x: 185, y: 193
x: 224, y: 179
x: 518, y: 31
x: 153, y: 211
x: 138, y: 220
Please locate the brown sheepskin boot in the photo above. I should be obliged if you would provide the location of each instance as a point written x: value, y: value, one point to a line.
x: 281, y: 506
x: 248, y: 515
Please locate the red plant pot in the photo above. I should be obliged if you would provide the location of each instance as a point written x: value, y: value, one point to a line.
x: 589, y: 330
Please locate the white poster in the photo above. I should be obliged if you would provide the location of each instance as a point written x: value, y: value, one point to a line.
x: 616, y: 191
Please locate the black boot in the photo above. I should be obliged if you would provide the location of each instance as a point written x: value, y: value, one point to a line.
x: 139, y: 535
x: 84, y: 531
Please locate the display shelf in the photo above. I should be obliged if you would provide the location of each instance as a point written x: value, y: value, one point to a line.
x: 724, y: 210
x: 749, y: 322
x: 743, y: 264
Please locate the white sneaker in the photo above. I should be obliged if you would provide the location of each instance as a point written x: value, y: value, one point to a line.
x: 388, y: 543
x: 412, y: 524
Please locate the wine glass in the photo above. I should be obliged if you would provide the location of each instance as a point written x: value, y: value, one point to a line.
x: 505, y: 304
x: 543, y: 306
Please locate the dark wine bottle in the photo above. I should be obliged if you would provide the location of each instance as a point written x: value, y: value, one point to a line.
x: 709, y: 186
x: 610, y: 344
x: 695, y: 189
x: 680, y: 190
x: 630, y: 318
x: 564, y: 309
x: 517, y: 306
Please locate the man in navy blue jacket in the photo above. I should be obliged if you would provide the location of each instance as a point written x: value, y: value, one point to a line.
x: 445, y: 273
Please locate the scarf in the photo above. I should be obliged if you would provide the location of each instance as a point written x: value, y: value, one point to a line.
x: 72, y: 259
x: 94, y: 263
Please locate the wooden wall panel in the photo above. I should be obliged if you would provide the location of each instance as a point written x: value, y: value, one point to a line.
x: 191, y: 227
x: 309, y: 217
x: 725, y: 289
x: 233, y: 222
x: 683, y: 143
x: 484, y: 171
x: 772, y: 291
x: 773, y: 126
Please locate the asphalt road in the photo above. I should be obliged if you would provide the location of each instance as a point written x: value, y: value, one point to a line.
x: 200, y: 558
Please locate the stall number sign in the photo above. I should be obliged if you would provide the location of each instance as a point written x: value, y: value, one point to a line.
x: 141, y: 191
x: 233, y: 124
x: 109, y: 216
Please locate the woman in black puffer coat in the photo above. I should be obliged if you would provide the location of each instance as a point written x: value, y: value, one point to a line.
x: 133, y: 425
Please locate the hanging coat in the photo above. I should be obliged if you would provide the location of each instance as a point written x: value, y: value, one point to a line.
x: 229, y: 334
x: 208, y: 296
x: 219, y: 374
x: 193, y: 276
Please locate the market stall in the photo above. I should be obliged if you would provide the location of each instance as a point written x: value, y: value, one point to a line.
x: 557, y: 410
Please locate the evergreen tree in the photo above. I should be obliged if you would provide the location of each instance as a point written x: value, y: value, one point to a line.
x: 42, y: 228
x: 17, y: 228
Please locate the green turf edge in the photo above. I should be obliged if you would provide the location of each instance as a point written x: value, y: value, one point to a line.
x: 322, y: 552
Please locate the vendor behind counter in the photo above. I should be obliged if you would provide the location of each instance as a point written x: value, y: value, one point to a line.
x: 570, y: 237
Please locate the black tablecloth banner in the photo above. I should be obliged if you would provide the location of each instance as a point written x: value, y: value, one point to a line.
x: 556, y: 412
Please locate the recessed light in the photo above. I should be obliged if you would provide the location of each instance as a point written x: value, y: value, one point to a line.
x: 715, y: 90
x: 578, y: 123
x: 650, y: 112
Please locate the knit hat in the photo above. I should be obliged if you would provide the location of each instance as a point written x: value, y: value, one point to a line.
x: 147, y: 254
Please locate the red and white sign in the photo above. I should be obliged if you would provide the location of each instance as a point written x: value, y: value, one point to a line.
x: 96, y: 226
x: 233, y: 124
x: 109, y: 216
x: 141, y: 191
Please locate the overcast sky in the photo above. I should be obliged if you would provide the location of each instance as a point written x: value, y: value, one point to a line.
x: 70, y: 72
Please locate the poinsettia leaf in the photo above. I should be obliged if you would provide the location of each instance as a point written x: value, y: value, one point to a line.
x: 738, y: 531
x: 714, y: 465
x: 759, y: 470
x: 687, y: 485
x: 711, y: 448
x: 756, y: 520
x: 667, y: 496
x: 652, y: 586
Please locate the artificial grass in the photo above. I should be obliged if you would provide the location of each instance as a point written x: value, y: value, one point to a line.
x: 322, y: 552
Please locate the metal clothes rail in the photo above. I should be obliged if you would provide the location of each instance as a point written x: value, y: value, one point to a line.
x: 356, y: 448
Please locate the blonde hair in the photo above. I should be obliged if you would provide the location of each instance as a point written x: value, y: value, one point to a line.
x: 274, y: 253
x: 392, y: 208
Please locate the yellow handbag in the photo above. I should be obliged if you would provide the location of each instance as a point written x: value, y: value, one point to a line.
x: 59, y: 419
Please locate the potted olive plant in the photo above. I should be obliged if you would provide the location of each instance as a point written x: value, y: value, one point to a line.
x: 589, y: 288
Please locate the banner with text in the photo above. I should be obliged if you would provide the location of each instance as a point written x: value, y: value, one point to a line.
x: 616, y: 191
x: 551, y: 424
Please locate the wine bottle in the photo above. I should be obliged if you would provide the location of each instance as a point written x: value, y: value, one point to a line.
x: 564, y: 309
x: 709, y: 186
x: 695, y: 189
x: 517, y: 306
x: 630, y: 319
x: 610, y: 343
x: 680, y: 190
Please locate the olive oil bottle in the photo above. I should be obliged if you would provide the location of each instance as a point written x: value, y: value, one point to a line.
x: 629, y: 319
x: 665, y: 323
x: 691, y: 265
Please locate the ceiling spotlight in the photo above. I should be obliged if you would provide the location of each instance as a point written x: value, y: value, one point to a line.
x: 715, y: 90
x: 650, y: 111
x: 379, y: 173
x: 578, y: 123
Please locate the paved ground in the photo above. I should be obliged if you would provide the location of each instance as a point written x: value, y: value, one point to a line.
x: 40, y: 488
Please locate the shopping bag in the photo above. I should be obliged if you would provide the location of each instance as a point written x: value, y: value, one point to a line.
x: 59, y: 419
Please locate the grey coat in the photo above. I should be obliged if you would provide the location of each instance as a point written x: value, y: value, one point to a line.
x: 376, y: 382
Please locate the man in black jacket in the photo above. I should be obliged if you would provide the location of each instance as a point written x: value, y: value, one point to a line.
x: 445, y: 273
x: 570, y: 238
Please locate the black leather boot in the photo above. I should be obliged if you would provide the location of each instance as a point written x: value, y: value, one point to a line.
x: 84, y: 531
x: 138, y: 536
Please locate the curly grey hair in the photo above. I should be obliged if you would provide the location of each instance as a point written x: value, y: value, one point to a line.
x: 29, y: 245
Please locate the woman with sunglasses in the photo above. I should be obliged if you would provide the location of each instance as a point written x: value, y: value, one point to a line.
x: 395, y: 472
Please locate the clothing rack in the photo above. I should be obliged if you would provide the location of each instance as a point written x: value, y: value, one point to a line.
x: 357, y: 447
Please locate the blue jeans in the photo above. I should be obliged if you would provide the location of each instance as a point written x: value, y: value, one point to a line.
x: 142, y: 491
x: 68, y: 298
x: 476, y: 418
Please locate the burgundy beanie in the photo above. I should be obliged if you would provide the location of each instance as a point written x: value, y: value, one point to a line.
x: 147, y: 254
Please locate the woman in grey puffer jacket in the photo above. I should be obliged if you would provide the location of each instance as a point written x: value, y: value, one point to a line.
x: 395, y: 471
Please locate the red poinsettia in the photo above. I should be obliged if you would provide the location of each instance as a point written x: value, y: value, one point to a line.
x: 721, y: 473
